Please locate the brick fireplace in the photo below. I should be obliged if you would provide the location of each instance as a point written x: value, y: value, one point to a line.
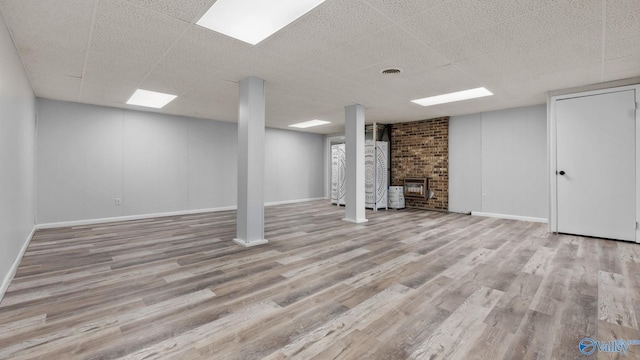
x: 421, y: 149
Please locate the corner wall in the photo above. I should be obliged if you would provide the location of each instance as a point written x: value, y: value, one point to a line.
x: 498, y: 163
x: 17, y: 148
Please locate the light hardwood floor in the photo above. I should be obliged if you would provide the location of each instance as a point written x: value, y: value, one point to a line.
x: 408, y: 284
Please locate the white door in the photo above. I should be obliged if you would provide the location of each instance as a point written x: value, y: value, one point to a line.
x: 596, y: 165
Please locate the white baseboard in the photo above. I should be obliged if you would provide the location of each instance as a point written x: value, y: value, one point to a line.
x: 250, y: 243
x: 16, y: 263
x: 355, y: 221
x: 510, y: 217
x: 156, y: 215
x: 293, y: 201
x: 130, y: 217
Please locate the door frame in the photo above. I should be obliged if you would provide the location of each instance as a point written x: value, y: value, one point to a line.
x: 552, y: 132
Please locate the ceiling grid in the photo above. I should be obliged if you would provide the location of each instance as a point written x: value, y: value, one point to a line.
x: 100, y: 51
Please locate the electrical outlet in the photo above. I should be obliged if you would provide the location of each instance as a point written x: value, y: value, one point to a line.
x: 118, y: 201
x: 484, y: 196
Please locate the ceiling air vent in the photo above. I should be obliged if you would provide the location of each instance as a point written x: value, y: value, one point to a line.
x: 391, y: 71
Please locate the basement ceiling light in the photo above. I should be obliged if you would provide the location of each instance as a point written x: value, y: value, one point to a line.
x: 252, y: 21
x: 454, y: 96
x: 311, y: 123
x: 150, y: 99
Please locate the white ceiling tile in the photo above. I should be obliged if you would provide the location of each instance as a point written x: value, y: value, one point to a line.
x: 374, y: 86
x: 108, y: 68
x: 306, y: 78
x: 172, y: 80
x: 588, y: 8
x: 211, y: 98
x: 501, y: 66
x: 560, y: 18
x: 108, y: 94
x: 394, y: 92
x: 376, y: 48
x: 623, y: 19
x: 401, y: 10
x: 574, y: 48
x: 328, y: 27
x: 122, y: 28
x: 57, y: 60
x: 579, y: 75
x: 288, y: 103
x: 622, y: 68
x: 480, y: 42
x: 620, y: 48
x: 503, y: 10
x: 188, y: 64
x: 538, y: 86
x: 29, y: 20
x: 450, y: 20
x: 528, y: 30
x: 189, y: 11
x: 421, y: 59
x: 111, y: 78
x: 201, y: 49
x: 55, y: 86
x: 214, y: 87
x: 303, y: 104
x: 552, y: 55
x: 259, y: 63
x: 56, y: 47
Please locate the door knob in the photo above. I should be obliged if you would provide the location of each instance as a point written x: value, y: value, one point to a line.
x: 561, y: 172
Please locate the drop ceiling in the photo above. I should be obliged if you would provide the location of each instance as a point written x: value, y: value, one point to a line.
x: 100, y: 51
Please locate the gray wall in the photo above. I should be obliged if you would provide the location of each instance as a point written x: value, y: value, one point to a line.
x: 294, y: 165
x: 89, y: 155
x: 501, y: 154
x: 465, y: 163
x: 17, y: 134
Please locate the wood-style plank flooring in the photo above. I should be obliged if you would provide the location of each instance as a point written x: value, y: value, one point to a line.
x: 408, y: 284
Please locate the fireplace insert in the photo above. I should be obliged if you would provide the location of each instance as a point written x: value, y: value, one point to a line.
x: 416, y: 188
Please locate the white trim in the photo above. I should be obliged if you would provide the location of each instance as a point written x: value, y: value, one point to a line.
x: 156, y: 215
x: 510, y: 217
x: 598, y: 86
x: 16, y: 263
x: 357, y: 221
x: 130, y: 217
x: 553, y: 165
x: 293, y: 201
x: 637, y: 163
x: 246, y: 243
x: 595, y: 92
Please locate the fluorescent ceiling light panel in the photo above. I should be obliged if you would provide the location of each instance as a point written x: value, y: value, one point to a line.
x: 310, y: 123
x: 252, y: 21
x: 455, y: 96
x: 150, y: 99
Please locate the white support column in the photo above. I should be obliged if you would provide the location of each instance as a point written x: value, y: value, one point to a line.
x: 251, y: 120
x: 354, y: 136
